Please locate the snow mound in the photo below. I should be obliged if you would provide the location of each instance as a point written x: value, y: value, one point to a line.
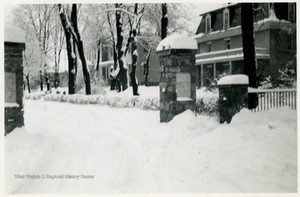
x: 270, y: 117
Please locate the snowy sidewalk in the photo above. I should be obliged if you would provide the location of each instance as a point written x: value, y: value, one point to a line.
x: 113, y: 150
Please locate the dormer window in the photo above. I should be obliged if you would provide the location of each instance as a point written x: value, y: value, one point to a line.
x: 208, y: 23
x: 226, y: 18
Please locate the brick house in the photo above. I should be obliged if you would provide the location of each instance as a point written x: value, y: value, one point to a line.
x: 220, y: 44
x: 14, y: 45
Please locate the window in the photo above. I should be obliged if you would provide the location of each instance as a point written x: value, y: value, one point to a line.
x: 227, y: 43
x: 222, y: 69
x: 209, y: 46
x: 208, y: 23
x: 226, y: 18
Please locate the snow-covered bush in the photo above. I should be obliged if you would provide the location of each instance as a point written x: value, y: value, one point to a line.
x: 34, y: 96
x: 207, y: 101
x: 151, y: 104
x: 266, y: 83
x: 288, y: 76
x: 105, y: 100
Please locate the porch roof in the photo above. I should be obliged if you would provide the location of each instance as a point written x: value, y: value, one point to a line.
x: 229, y: 55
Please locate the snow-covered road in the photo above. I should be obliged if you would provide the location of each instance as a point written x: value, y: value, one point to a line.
x: 113, y: 150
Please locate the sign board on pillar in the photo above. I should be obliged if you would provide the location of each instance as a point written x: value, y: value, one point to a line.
x: 183, y: 85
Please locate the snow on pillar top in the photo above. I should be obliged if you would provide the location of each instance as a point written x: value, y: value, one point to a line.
x: 13, y: 34
x: 238, y: 79
x: 177, y: 41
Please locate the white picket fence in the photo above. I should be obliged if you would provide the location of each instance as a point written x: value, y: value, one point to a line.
x: 275, y: 98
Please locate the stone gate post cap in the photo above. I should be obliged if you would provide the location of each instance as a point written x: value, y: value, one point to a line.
x: 238, y: 79
x: 177, y: 41
x: 13, y: 34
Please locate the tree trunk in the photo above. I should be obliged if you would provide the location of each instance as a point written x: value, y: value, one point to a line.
x: 28, y: 84
x: 146, y: 67
x: 98, y: 55
x: 41, y: 80
x: 48, y: 82
x: 249, y: 50
x: 113, y: 85
x: 164, y: 21
x: 97, y: 70
x: 122, y: 73
x: 134, y: 55
x: 56, y: 79
x: 70, y: 51
x: 79, y: 43
x: 131, y: 50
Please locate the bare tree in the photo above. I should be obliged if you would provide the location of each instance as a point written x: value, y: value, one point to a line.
x: 146, y: 66
x: 58, y: 41
x: 122, y: 74
x: 131, y: 46
x: 120, y: 21
x: 70, y: 25
x: 38, y: 17
x: 79, y: 44
x: 70, y: 49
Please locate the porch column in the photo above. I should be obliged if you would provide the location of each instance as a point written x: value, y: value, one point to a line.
x: 215, y: 69
x: 201, y: 67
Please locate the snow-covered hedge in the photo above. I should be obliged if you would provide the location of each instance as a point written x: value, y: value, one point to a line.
x: 206, y: 102
x: 113, y: 101
x: 34, y: 96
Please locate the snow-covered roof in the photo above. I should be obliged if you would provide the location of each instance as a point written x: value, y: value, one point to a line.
x: 220, y: 7
x: 177, y: 41
x: 13, y: 34
x: 238, y: 79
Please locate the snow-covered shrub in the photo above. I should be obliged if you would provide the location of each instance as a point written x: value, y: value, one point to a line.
x: 34, y: 96
x: 207, y: 101
x: 150, y: 104
x: 266, y: 83
x: 288, y: 76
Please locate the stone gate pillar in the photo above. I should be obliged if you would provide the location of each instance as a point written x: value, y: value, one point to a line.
x: 14, y: 45
x: 178, y: 75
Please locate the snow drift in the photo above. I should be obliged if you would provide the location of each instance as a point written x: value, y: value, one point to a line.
x: 115, y: 150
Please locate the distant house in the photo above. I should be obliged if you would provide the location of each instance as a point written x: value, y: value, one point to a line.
x: 14, y: 46
x: 106, y: 57
x: 220, y: 44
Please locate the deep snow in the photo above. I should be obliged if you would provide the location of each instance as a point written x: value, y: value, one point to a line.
x: 129, y: 151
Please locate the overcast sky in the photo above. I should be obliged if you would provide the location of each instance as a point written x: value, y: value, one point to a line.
x: 197, y: 9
